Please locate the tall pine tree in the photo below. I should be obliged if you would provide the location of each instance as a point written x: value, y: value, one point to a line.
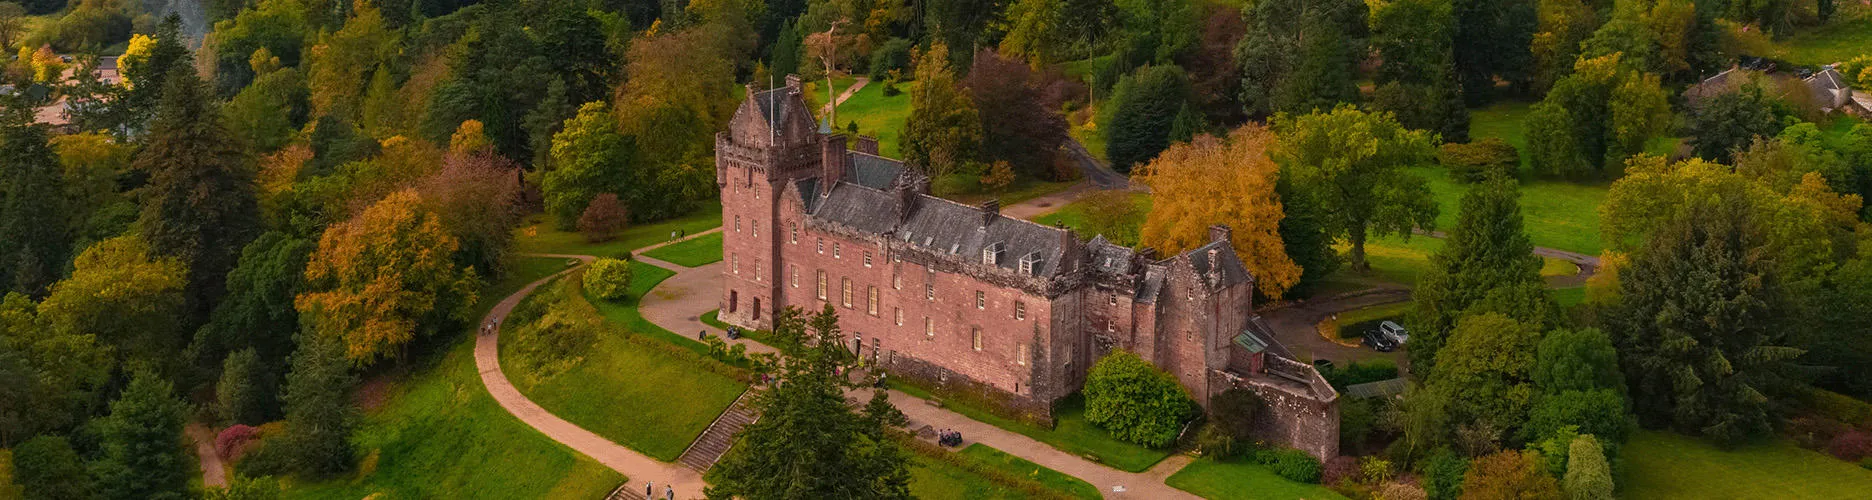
x: 33, y: 241
x: 1487, y: 259
x: 318, y: 408
x: 143, y: 457
x: 200, y: 205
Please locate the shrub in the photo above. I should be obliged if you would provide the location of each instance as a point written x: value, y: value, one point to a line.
x: 47, y: 467
x: 608, y: 278
x: 1478, y: 160
x: 1295, y: 465
x: 1233, y: 412
x: 1136, y: 401
x: 1600, y: 412
x: 1355, y: 373
x: 1357, y: 419
x: 1401, y: 491
x: 1213, y: 441
x: 1587, y: 475
x: 1851, y: 446
x: 893, y: 54
x: 234, y: 441
x: 1443, y: 475
x: 1840, y: 407
x: 1509, y: 475
x: 1341, y: 469
x: 603, y: 218
x: 1374, y: 470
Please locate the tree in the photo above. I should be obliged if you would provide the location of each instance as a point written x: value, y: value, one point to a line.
x: 245, y: 488
x: 1612, y: 110
x: 1486, y: 253
x: 268, y: 114
x: 143, y: 455
x: 150, y: 71
x: 1726, y: 124
x: 52, y: 377
x: 319, y: 415
x: 46, y: 468
x: 1576, y: 360
x: 340, y: 63
x: 1049, y: 31
x: 603, y: 218
x: 1351, y: 165
x: 385, y: 277
x: 1509, y: 475
x: 944, y: 131
x: 470, y: 139
x: 1141, y: 112
x: 1020, y: 121
x: 125, y: 296
x: 476, y: 196
x: 811, y: 442
x: 258, y: 313
x: 1695, y: 325
x: 1600, y: 412
x: 1485, y: 370
x: 1492, y: 39
x: 12, y: 23
x: 589, y: 158
x: 609, y: 279
x: 1305, y: 236
x: 33, y: 237
x: 1562, y: 25
x: 1222, y: 181
x: 1480, y: 160
x: 1136, y: 401
x: 241, y: 395
x: 95, y: 166
x: 200, y: 206
x: 1300, y: 55
x: 1417, y: 81
x: 1587, y: 475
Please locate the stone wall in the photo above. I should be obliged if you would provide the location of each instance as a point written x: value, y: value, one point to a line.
x: 1295, y: 419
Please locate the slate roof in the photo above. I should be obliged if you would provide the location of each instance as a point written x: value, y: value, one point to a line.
x: 1109, y: 257
x: 1231, y: 268
x: 944, y: 227
x: 873, y: 171
x: 774, y: 105
x: 1830, y: 87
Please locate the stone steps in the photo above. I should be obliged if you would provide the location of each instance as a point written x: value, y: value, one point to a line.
x: 714, y: 442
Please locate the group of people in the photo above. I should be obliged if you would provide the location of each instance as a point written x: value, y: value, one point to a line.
x: 949, y: 438
x: 669, y: 492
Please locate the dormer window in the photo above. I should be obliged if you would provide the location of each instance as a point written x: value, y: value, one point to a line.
x: 992, y: 254
x: 1028, y: 262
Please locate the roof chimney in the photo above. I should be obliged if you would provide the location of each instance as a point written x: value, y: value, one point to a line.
x: 989, y: 210
x: 906, y: 200
x: 750, y: 90
x: 1070, y: 252
x: 867, y: 145
x: 832, y: 160
x: 1220, y: 232
x: 793, y: 82
x: 1215, y: 268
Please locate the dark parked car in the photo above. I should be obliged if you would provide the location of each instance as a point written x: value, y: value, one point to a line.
x: 1378, y: 342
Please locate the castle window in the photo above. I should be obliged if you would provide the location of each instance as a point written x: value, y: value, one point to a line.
x: 822, y: 284
x: 845, y: 291
x: 867, y: 259
x: 757, y: 273
x: 795, y: 276
x: 1111, y: 325
x: 871, y: 300
x: 929, y: 291
x: 734, y: 263
x: 755, y: 227
x: 897, y: 282
x: 929, y: 327
x: 737, y: 223
x: 899, y: 316
x: 981, y: 300
x: 1020, y: 310
x: 835, y: 249
x: 975, y: 337
x: 1020, y: 355
x: 1114, y: 299
x: 793, y: 231
x: 819, y: 245
x: 992, y: 254
x: 1027, y: 262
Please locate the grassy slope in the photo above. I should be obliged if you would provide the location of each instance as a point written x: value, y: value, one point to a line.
x: 932, y: 479
x: 440, y: 434
x: 1847, y: 36
x: 1561, y: 215
x: 693, y: 253
x: 632, y: 394
x: 1074, y: 215
x: 539, y: 236
x: 879, y: 116
x: 1071, y: 433
x: 1241, y: 481
x: 1022, y: 468
x: 1665, y: 465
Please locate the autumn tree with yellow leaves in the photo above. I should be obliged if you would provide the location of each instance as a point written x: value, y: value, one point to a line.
x: 1214, y: 180
x: 385, y: 277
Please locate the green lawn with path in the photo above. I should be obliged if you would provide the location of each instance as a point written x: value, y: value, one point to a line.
x: 1240, y: 480
x: 1667, y: 465
x: 540, y: 236
x: 1020, y: 467
x: 632, y: 393
x: 695, y: 252
x: 878, y: 115
x: 1074, y: 215
x: 1071, y: 432
x: 438, y: 433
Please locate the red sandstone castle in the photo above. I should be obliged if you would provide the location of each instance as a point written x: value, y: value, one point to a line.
x: 960, y: 297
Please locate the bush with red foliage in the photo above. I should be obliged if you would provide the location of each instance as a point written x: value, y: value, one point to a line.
x: 233, y: 441
x: 603, y: 218
x: 1851, y: 446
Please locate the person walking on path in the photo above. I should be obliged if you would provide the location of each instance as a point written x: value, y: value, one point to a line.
x: 649, y: 489
x: 669, y: 493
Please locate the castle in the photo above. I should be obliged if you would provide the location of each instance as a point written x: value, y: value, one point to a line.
x: 960, y: 297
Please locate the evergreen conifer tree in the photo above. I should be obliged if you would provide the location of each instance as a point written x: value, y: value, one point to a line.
x: 33, y: 241
x: 318, y: 407
x: 1487, y: 254
x: 143, y: 456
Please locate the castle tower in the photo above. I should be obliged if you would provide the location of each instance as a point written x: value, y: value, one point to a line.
x: 770, y: 143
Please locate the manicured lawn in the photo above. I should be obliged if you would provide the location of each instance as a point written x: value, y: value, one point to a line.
x: 1356, y: 322
x: 1561, y: 215
x: 1668, y: 465
x: 1020, y: 467
x: 1073, y: 215
x: 539, y: 235
x: 1232, y: 480
x: 968, y: 189
x: 632, y: 393
x: 1569, y: 297
x: 439, y: 434
x: 878, y: 115
x: 624, y: 313
x: 696, y: 252
x: 1399, y: 261
x: 1071, y: 433
x: 933, y: 479
x: 1849, y: 34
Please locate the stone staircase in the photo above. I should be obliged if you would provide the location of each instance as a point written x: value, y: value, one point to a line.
x: 714, y: 442
x: 627, y: 491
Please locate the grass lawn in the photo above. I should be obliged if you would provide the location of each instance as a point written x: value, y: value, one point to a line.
x: 1561, y: 215
x: 1089, y: 136
x: 632, y: 393
x: 624, y: 313
x: 1667, y: 465
x: 1073, y: 215
x: 1569, y: 297
x: 1356, y: 322
x: 1020, y: 467
x: 878, y: 115
x: 539, y: 235
x: 933, y: 479
x: 1849, y: 34
x: 438, y: 433
x: 1232, y: 480
x: 1399, y: 261
x: 968, y: 189
x: 1071, y: 433
x: 693, y: 253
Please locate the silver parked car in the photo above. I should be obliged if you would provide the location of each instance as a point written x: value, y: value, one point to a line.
x: 1394, y: 331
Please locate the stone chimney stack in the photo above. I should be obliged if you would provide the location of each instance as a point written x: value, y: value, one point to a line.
x: 1070, y: 253
x: 793, y: 82
x: 906, y: 200
x: 751, y: 90
x: 1215, y: 267
x: 832, y: 159
x: 989, y: 210
x: 867, y: 145
x: 1220, y: 232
